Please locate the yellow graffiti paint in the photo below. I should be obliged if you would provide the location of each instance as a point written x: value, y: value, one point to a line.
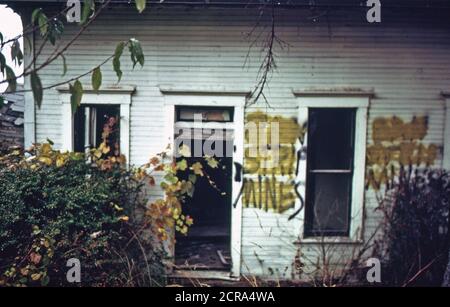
x: 397, y: 143
x: 395, y: 129
x: 268, y: 193
x: 286, y: 165
x: 289, y: 129
x: 265, y: 189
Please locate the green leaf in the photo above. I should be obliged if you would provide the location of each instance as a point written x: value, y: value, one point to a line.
x: 140, y: 5
x: 16, y: 53
x: 88, y: 7
x: 96, y: 78
x: 2, y: 63
x: 116, y: 60
x: 192, y: 178
x: 11, y: 77
x: 45, y: 280
x: 182, y: 165
x: 43, y: 23
x: 35, y: 15
x: 64, y: 65
x: 1, y: 38
x: 212, y: 162
x: 2, y: 102
x: 137, y: 55
x: 50, y: 142
x: 55, y: 30
x: 36, y: 86
x: 190, y: 190
x: 171, y: 178
x: 116, y: 66
x: 76, y: 91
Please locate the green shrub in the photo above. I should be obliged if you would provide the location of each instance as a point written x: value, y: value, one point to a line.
x: 49, y: 214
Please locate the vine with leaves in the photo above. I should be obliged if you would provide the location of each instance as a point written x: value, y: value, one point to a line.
x: 51, y: 30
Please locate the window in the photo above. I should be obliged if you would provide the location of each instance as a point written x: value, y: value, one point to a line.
x: 207, y: 114
x: 90, y: 122
x: 83, y: 129
x: 332, y: 175
x: 329, y: 176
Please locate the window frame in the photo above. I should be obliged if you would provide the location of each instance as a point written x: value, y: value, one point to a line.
x: 106, y: 96
x: 357, y: 100
x: 310, y: 172
x: 92, y: 110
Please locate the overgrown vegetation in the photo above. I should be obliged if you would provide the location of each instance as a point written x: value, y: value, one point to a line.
x: 55, y: 206
x: 416, y: 240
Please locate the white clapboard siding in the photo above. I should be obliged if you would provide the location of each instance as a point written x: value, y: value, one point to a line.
x: 405, y: 60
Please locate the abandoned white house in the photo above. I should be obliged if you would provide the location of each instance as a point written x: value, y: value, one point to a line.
x: 365, y: 97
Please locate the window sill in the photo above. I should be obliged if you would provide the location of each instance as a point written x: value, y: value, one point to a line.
x: 329, y: 240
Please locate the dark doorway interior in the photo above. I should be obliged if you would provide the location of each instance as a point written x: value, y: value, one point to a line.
x: 207, y: 245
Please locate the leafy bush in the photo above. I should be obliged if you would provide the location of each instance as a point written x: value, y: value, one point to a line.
x: 417, y: 228
x: 59, y: 207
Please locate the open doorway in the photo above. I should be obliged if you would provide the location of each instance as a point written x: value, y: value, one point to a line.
x: 208, y: 243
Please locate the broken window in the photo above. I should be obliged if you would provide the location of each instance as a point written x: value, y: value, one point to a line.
x: 90, y: 122
x: 207, y: 114
x: 329, y: 171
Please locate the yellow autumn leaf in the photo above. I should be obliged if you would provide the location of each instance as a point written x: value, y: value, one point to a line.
x: 121, y: 159
x: 189, y: 220
x: 184, y: 150
x: 197, y: 168
x: 104, y: 148
x: 124, y: 218
x: 45, y: 160
x: 182, y: 165
x: 184, y: 230
x: 60, y: 161
x: 212, y: 162
x: 97, y: 153
x: 46, y: 148
x: 24, y: 271
x: 35, y: 276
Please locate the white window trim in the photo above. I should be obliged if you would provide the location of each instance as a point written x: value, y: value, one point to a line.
x: 106, y: 96
x: 236, y: 99
x: 360, y: 101
x: 29, y: 125
x: 446, y: 143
